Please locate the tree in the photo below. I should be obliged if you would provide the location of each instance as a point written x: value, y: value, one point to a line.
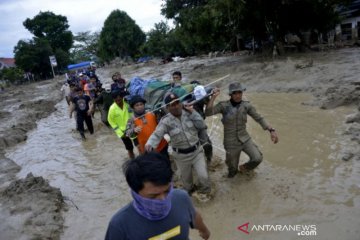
x: 33, y: 56
x: 120, y: 37
x: 11, y: 74
x: 206, y: 25
x: 51, y: 37
x: 85, y: 47
x: 162, y: 42
x: 54, y: 28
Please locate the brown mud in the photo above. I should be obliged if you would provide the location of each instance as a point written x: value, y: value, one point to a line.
x: 310, y: 179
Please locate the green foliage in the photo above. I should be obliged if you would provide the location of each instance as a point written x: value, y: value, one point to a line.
x: 204, y: 25
x: 52, y: 37
x: 52, y: 27
x: 120, y: 37
x: 162, y: 42
x: 11, y: 74
x: 62, y: 59
x: 33, y: 56
x: 85, y: 47
x: 278, y: 17
x: 207, y: 25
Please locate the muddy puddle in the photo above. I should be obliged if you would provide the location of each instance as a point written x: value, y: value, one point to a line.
x: 302, y: 180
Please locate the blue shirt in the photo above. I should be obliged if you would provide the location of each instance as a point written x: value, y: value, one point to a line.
x: 127, y: 224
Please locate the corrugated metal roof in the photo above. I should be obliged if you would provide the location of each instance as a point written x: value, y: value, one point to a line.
x: 8, y: 62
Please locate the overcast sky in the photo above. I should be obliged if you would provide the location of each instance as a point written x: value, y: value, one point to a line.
x: 82, y: 15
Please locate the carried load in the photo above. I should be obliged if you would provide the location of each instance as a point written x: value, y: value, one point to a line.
x: 154, y: 92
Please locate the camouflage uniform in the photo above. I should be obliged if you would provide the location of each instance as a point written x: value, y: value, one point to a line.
x: 236, y: 138
x: 188, y: 152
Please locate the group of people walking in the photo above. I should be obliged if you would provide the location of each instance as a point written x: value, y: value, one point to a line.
x: 162, y: 211
x: 81, y: 88
x: 184, y: 130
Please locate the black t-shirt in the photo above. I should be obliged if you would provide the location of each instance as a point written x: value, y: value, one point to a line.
x: 81, y: 104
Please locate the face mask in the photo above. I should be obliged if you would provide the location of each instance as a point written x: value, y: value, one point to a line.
x: 152, y: 209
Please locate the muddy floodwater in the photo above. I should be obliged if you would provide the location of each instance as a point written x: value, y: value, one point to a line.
x: 302, y: 180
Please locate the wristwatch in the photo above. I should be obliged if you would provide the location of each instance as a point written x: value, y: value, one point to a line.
x: 271, y: 129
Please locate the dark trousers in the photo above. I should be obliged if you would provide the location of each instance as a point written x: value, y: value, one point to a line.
x: 129, y: 145
x: 80, y: 118
x: 165, y: 152
x: 104, y: 115
x: 207, y: 145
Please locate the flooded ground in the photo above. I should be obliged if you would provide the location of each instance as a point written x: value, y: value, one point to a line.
x: 303, y: 180
x: 292, y: 186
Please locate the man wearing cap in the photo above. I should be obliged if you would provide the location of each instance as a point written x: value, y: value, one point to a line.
x: 200, y: 93
x: 118, y: 116
x: 183, y: 127
x: 236, y: 138
x: 142, y: 124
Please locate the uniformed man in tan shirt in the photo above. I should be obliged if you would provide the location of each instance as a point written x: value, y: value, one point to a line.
x: 236, y: 139
x: 183, y: 124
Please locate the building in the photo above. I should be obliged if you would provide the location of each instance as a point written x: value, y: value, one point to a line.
x: 7, y: 63
x: 349, y: 28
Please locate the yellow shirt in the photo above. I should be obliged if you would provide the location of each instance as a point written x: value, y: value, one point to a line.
x: 118, y: 118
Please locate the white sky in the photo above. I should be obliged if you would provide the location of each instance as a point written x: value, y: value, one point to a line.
x: 82, y: 15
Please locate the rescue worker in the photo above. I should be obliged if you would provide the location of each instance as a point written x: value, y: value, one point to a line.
x: 199, y: 107
x: 183, y: 126
x: 142, y: 124
x: 118, y: 116
x: 236, y: 139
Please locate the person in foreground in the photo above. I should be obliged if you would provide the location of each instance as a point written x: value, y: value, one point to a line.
x: 236, y: 138
x: 157, y: 211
